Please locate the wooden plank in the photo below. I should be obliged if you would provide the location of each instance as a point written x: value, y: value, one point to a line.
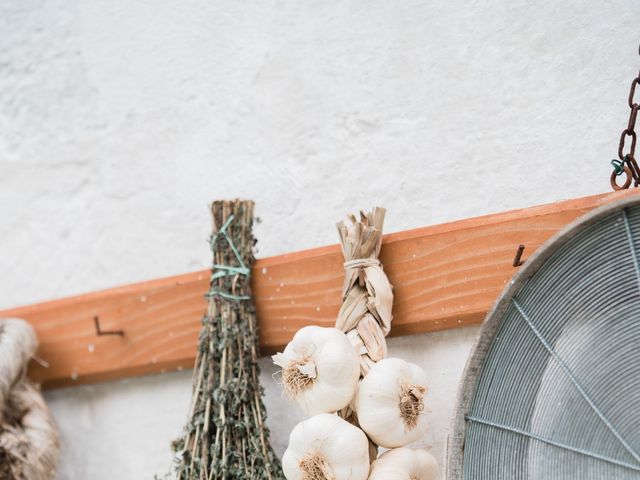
x: 444, y: 276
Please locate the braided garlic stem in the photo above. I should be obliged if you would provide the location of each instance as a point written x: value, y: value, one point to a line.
x: 365, y: 315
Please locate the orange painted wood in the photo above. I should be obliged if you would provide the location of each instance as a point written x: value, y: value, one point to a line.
x: 444, y: 276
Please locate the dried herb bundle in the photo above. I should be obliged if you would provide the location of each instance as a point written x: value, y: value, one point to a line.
x: 226, y: 437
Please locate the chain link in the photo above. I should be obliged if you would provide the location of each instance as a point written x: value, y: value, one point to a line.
x: 626, y: 162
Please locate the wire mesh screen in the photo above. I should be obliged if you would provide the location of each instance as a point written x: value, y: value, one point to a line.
x: 557, y: 393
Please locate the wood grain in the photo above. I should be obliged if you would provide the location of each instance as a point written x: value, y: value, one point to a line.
x: 444, y: 276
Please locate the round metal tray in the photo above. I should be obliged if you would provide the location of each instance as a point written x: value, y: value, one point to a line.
x: 552, y: 388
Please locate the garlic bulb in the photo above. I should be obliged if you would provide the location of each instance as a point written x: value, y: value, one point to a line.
x: 390, y: 403
x: 320, y: 369
x: 405, y: 464
x: 326, y: 447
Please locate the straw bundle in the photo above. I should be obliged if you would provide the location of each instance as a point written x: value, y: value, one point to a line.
x: 29, y: 444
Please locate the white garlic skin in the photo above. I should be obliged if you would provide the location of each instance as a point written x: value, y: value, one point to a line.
x: 337, y: 368
x: 344, y: 447
x: 405, y: 464
x: 377, y: 402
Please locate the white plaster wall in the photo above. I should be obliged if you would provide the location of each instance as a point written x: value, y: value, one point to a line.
x: 121, y: 120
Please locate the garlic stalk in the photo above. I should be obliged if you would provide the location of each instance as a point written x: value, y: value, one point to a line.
x: 367, y: 297
x: 405, y: 464
x: 390, y: 403
x: 326, y: 447
x: 320, y: 369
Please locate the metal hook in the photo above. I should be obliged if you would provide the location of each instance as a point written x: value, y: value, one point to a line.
x: 100, y: 332
x: 517, y: 261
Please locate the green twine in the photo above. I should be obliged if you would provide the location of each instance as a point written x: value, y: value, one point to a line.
x: 618, y: 166
x: 221, y: 271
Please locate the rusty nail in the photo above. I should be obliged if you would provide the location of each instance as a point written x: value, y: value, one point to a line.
x: 517, y: 261
x: 100, y: 332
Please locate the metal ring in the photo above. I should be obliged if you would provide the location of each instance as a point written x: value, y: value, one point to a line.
x: 627, y: 182
x: 632, y: 92
x: 627, y: 133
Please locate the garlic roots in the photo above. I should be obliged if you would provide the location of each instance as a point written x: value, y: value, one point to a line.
x: 405, y: 464
x: 390, y: 403
x: 320, y: 369
x: 326, y: 447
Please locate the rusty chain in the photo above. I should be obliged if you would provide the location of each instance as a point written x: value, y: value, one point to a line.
x: 626, y: 162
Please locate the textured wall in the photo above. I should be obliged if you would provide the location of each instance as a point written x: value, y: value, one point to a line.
x: 120, y: 121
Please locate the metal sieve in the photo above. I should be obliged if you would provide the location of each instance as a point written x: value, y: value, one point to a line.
x: 552, y: 388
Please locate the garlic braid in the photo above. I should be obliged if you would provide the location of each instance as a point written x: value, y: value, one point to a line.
x: 367, y: 298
